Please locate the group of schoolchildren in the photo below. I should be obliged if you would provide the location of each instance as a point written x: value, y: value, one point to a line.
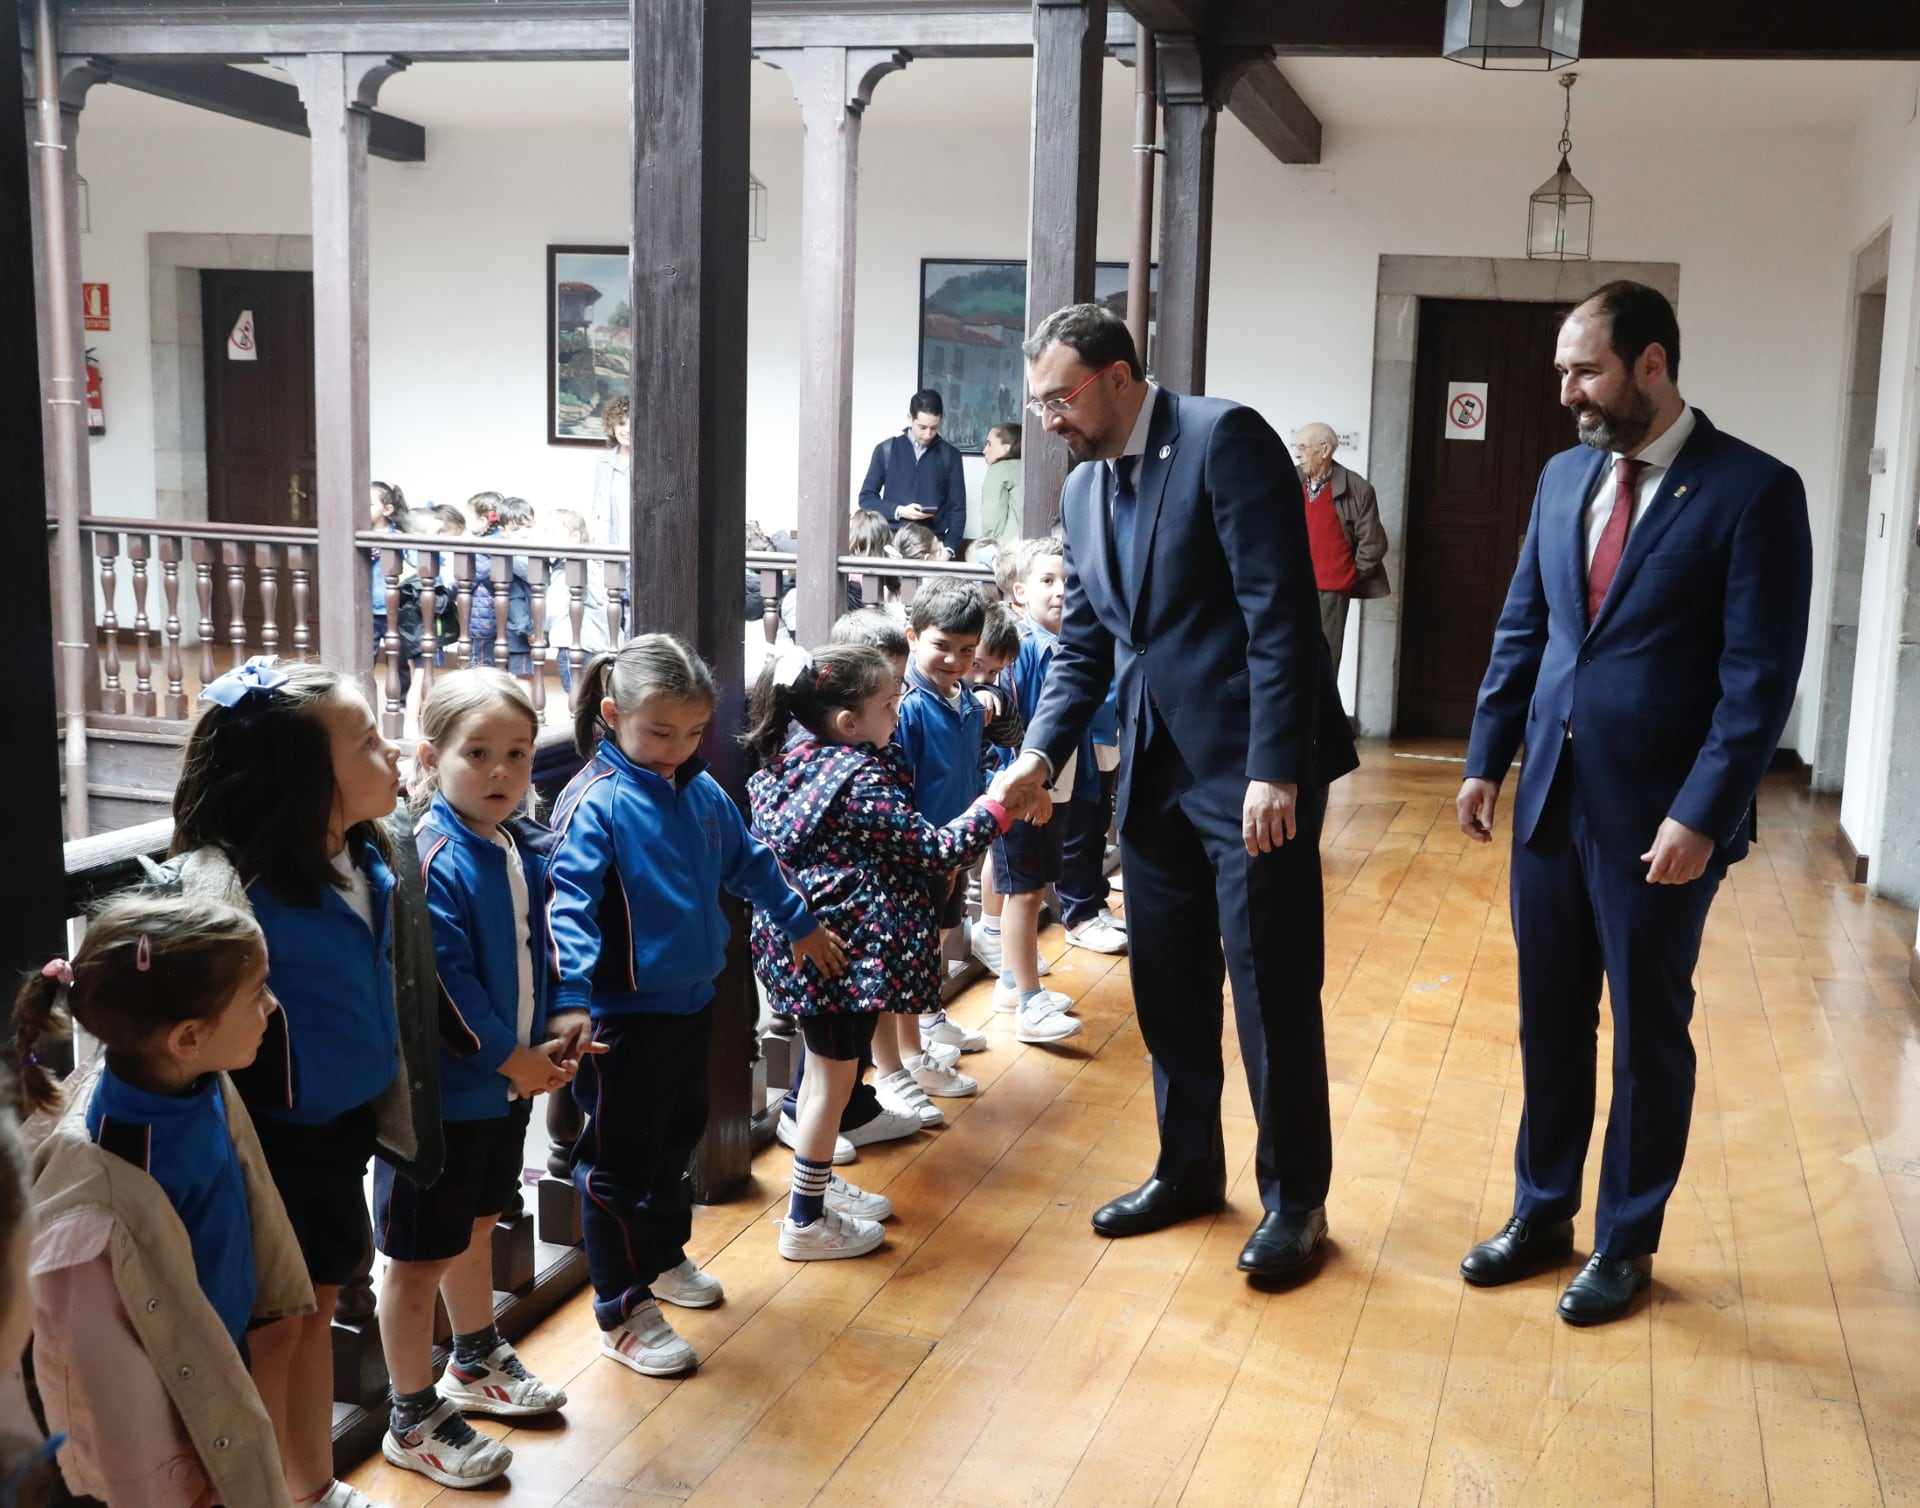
x: 522, y: 530
x: 313, y: 981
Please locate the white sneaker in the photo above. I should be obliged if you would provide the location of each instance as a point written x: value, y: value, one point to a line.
x: 986, y: 947
x: 941, y: 1031
x: 943, y: 1053
x: 1007, y: 1001
x: 1034, y: 1025
x: 850, y: 1199
x: 340, y: 1495
x: 898, y: 1091
x: 447, y: 1449
x: 788, y: 1130
x: 935, y: 1078
x: 832, y: 1236
x: 888, y: 1125
x: 687, y: 1286
x: 647, y: 1344
x: 1043, y: 967
x: 1100, y: 933
x: 500, y: 1386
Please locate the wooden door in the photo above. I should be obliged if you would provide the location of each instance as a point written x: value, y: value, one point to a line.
x: 1469, y: 498
x: 257, y: 329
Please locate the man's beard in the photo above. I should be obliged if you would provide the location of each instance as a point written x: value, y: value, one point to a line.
x: 1620, y: 429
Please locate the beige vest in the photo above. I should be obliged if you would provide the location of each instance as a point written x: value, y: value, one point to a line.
x: 153, y: 1269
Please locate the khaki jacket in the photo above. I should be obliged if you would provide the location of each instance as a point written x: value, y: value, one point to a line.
x: 91, y: 1205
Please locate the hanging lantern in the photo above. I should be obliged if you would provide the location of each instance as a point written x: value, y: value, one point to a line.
x: 1537, y: 34
x: 1560, y: 213
x: 756, y: 209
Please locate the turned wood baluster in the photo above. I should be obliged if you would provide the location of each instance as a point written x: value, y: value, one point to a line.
x: 300, y: 572
x: 106, y: 545
x: 144, y: 704
x: 576, y: 620
x: 500, y: 575
x: 770, y: 604
x: 463, y: 604
x: 615, y: 596
x: 429, y: 619
x: 170, y: 589
x: 266, y: 560
x: 537, y: 646
x: 233, y: 555
x: 394, y: 715
x: 203, y: 553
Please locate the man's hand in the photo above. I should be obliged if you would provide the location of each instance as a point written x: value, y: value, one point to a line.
x: 823, y: 949
x: 1023, y: 789
x: 913, y: 513
x: 1268, y: 819
x: 1679, y: 855
x: 1475, y: 806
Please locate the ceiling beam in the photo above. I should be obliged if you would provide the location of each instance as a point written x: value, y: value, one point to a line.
x: 256, y: 99
x: 518, y: 30
x: 1268, y: 106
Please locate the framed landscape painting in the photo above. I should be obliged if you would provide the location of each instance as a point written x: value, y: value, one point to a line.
x: 973, y: 317
x: 589, y: 340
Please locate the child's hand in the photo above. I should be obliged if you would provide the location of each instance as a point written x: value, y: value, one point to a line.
x: 824, y: 951
x: 531, y: 1070
x: 573, y: 1032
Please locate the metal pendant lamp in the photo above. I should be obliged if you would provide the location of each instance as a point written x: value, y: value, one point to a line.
x: 1560, y: 213
x: 1537, y: 34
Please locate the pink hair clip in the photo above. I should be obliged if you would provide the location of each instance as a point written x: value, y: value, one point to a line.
x: 58, y: 969
x: 143, y: 953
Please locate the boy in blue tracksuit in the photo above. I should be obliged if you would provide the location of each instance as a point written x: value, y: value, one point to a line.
x: 647, y: 840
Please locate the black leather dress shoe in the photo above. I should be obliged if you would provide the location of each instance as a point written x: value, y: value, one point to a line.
x: 1284, y: 1245
x: 1522, y: 1248
x: 1605, y: 1289
x: 1155, y: 1205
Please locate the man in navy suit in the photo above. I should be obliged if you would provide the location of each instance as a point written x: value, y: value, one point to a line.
x: 1189, y: 573
x: 1647, y: 657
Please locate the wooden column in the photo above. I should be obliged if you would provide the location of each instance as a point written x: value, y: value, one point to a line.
x: 834, y: 86
x: 338, y: 90
x: 1069, y: 46
x: 1192, y: 115
x: 690, y: 117
x: 32, y: 901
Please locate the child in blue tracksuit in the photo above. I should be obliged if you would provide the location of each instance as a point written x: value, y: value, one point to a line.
x: 483, y: 862
x: 647, y: 839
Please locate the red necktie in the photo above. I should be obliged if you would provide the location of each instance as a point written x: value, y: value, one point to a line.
x: 1613, y: 539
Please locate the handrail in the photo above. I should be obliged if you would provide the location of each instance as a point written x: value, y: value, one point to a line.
x: 100, y: 523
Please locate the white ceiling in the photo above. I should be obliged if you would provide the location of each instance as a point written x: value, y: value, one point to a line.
x: 1370, y: 94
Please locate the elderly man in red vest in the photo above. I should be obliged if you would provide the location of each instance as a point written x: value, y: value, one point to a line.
x: 1343, y: 529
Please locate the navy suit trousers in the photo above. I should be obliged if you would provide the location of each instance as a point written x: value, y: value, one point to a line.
x: 1579, y: 917
x: 1190, y: 880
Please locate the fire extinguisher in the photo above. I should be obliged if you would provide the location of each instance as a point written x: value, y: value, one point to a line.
x: 96, y: 402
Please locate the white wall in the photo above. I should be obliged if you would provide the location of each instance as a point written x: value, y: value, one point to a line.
x: 1884, y: 192
x: 1762, y: 227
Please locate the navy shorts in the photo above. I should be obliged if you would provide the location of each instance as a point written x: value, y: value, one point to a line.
x: 1028, y: 857
x: 433, y: 1224
x: 841, y: 1036
x: 953, y: 909
x: 321, y: 1174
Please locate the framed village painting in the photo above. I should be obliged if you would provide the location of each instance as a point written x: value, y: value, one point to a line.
x: 973, y: 317
x: 589, y: 340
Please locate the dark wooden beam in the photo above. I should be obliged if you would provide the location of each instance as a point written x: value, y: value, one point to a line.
x: 33, y: 908
x: 690, y: 91
x: 254, y: 98
x: 1268, y: 106
x: 1069, y: 47
x: 1618, y: 29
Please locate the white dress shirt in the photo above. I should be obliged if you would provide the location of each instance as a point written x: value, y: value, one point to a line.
x: 1137, y: 441
x: 1656, y: 460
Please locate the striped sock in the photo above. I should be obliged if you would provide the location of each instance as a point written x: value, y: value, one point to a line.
x: 810, y: 1181
x: 990, y: 925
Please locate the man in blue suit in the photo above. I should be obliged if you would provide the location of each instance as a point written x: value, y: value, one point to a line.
x: 1189, y: 574
x: 1647, y: 657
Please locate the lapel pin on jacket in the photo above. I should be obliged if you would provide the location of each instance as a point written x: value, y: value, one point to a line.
x: 1680, y: 491
x: 1165, y: 451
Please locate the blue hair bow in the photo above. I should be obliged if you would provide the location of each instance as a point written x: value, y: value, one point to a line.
x: 257, y: 675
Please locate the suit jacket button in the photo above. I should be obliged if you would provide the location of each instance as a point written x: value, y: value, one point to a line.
x: 1586, y: 659
x: 1139, y: 648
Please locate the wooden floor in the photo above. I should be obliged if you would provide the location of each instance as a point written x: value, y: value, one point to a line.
x: 997, y: 1351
